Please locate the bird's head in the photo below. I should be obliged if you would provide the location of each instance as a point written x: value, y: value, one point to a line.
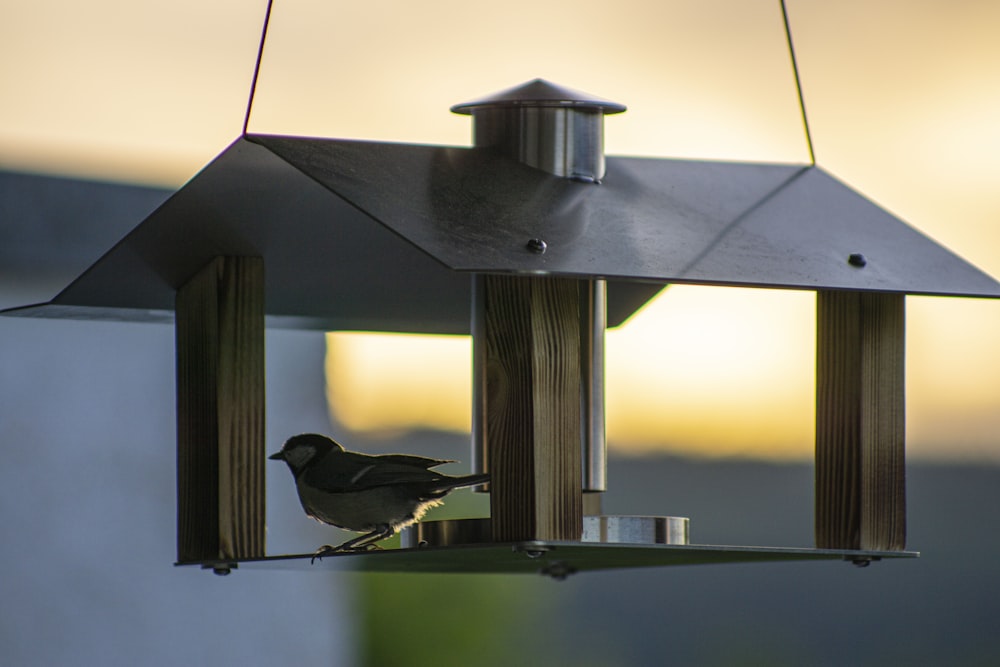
x: 299, y: 450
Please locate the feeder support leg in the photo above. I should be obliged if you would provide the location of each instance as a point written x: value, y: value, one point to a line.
x: 860, y: 421
x: 220, y: 412
x: 533, y: 407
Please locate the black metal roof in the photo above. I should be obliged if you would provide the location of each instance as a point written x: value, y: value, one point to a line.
x: 380, y: 236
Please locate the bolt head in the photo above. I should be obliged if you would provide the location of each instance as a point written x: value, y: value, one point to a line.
x: 537, y: 246
x: 856, y: 259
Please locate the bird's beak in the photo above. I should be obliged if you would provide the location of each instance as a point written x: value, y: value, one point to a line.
x: 278, y: 456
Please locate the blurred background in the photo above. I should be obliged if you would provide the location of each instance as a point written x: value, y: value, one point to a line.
x: 108, y: 107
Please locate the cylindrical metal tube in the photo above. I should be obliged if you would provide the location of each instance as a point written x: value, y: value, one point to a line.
x: 480, y: 458
x: 564, y: 141
x: 560, y: 131
x: 593, y: 321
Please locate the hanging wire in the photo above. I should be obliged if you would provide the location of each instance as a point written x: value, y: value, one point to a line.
x: 788, y: 36
x: 798, y: 84
x: 256, y: 67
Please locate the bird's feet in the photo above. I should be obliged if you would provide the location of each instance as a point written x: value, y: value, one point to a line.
x: 324, y: 550
x: 347, y: 547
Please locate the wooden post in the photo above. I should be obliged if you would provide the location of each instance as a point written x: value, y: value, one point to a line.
x: 532, y: 404
x: 220, y: 412
x: 860, y: 421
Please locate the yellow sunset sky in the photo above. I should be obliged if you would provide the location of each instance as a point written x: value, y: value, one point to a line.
x: 903, y: 100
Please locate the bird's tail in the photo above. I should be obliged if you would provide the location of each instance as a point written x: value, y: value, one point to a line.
x: 450, y: 483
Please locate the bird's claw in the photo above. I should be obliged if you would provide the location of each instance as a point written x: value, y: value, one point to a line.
x: 324, y: 550
x: 327, y: 550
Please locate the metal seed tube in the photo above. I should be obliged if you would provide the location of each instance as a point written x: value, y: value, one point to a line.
x: 563, y: 141
x: 562, y: 134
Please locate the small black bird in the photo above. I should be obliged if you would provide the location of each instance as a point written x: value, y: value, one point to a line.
x: 376, y: 495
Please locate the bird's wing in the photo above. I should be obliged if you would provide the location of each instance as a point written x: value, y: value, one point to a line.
x: 340, y: 472
x: 406, y: 459
x: 390, y: 474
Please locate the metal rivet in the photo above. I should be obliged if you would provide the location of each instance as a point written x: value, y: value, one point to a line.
x: 857, y: 259
x: 533, y: 550
x: 537, y: 245
x: 558, y: 570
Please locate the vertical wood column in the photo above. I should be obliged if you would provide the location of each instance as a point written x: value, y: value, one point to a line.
x: 532, y: 403
x: 220, y: 412
x: 860, y: 421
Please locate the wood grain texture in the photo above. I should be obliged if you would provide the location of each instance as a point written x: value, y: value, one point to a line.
x: 220, y: 412
x: 533, y: 426
x: 860, y: 421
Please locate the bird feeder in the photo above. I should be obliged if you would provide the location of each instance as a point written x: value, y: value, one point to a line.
x: 534, y: 242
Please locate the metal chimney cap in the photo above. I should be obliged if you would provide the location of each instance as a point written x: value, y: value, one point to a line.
x: 540, y: 93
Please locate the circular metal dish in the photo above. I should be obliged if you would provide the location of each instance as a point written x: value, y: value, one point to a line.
x: 445, y: 533
x: 606, y: 529
x: 611, y: 529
